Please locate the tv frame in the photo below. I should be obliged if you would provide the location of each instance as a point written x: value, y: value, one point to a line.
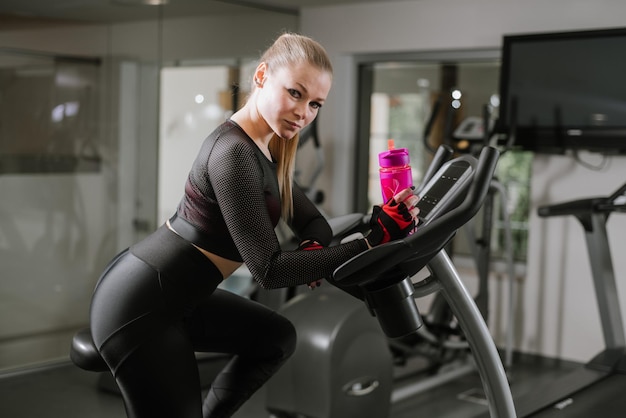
x: 555, y: 139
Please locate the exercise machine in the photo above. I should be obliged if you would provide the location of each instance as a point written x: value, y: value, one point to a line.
x: 342, y: 364
x: 390, y: 291
x: 599, y: 384
x: 469, y: 137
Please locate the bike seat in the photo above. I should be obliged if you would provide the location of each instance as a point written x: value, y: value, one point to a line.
x: 84, y: 353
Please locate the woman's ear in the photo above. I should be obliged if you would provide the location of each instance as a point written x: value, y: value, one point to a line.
x: 259, y: 74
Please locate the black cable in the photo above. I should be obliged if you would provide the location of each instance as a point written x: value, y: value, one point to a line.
x: 429, y: 125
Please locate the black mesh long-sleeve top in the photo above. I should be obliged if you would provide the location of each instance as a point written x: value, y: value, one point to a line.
x: 232, y: 198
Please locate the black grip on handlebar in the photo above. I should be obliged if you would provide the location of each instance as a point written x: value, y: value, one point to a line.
x: 575, y: 207
x: 581, y: 207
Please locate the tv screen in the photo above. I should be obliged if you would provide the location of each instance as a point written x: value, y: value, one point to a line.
x: 565, y: 91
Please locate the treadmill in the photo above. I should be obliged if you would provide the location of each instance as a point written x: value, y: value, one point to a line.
x: 598, y: 387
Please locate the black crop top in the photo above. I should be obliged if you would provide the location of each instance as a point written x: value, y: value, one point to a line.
x: 233, y: 202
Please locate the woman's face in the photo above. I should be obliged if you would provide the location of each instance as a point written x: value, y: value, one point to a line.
x: 289, y: 98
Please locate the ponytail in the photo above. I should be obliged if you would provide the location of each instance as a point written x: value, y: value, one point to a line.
x: 284, y: 151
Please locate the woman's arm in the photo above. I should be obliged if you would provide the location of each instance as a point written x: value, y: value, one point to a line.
x: 236, y: 175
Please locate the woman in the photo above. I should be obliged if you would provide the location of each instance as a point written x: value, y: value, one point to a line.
x: 157, y: 302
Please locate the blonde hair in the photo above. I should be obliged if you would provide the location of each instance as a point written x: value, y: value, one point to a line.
x: 291, y: 49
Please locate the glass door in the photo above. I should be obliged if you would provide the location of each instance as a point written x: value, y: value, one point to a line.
x: 77, y: 151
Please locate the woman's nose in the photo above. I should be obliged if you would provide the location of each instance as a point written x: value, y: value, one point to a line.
x: 300, y: 110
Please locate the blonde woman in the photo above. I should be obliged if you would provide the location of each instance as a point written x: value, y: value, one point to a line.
x: 157, y: 302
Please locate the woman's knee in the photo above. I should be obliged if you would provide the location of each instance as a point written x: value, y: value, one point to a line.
x: 283, y: 334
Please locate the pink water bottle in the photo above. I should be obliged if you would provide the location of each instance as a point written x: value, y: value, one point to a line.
x: 395, y: 170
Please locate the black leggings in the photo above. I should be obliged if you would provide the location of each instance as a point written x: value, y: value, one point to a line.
x: 155, y: 305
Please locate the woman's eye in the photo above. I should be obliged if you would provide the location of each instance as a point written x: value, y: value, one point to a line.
x: 297, y: 95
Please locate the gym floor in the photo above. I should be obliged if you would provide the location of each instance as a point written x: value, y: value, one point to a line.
x: 64, y: 391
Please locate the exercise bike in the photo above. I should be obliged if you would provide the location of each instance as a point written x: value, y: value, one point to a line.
x: 390, y: 291
x: 342, y: 365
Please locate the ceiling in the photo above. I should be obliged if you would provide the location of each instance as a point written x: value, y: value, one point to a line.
x: 110, y: 11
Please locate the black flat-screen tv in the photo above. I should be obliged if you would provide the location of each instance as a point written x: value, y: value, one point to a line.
x: 564, y: 91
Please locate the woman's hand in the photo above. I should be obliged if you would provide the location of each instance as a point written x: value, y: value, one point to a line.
x: 395, y: 219
x: 407, y: 197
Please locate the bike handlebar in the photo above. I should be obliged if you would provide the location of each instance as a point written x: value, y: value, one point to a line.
x: 428, y: 239
x: 582, y: 207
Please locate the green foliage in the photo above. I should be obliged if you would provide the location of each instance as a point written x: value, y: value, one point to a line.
x: 514, y: 172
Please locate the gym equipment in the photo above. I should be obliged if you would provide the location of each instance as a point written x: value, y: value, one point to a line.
x: 607, y: 370
x: 342, y: 366
x: 472, y: 134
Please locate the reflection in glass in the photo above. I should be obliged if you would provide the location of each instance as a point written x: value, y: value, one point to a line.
x: 48, y: 109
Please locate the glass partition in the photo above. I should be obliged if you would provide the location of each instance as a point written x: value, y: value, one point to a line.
x: 80, y: 162
x: 77, y: 177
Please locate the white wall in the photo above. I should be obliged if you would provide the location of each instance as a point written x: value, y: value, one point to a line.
x: 557, y: 314
x: 180, y: 38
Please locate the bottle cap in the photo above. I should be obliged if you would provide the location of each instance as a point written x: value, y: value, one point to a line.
x: 397, y: 157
